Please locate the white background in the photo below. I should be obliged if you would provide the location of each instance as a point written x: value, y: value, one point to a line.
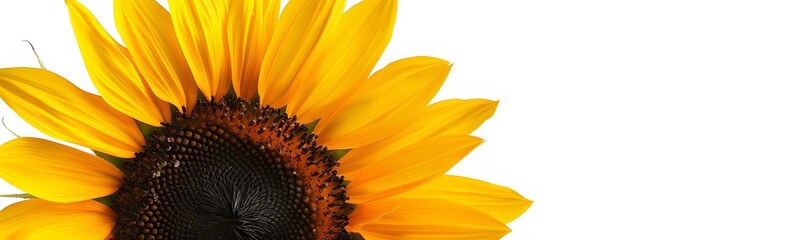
x: 621, y: 119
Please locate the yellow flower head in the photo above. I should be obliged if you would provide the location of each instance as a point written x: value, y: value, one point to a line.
x: 231, y: 120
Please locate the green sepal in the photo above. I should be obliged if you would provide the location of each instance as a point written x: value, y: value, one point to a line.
x: 200, y: 94
x: 337, y: 154
x: 116, y: 161
x: 3, y: 120
x: 256, y: 98
x: 174, y: 110
x: 350, y: 208
x: 311, y: 126
x: 146, y: 129
x: 356, y: 236
x: 17, y: 195
x: 107, y: 200
x: 230, y: 93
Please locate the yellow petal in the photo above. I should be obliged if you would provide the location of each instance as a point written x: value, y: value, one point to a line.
x: 250, y: 25
x: 53, y: 105
x: 55, y: 172
x: 40, y: 219
x: 385, y: 103
x: 200, y: 30
x: 370, y: 212
x: 410, y: 167
x: 147, y: 30
x: 501, y: 202
x: 296, y: 34
x: 434, y: 219
x: 163, y: 106
x: 112, y: 73
x: 452, y: 116
x: 343, y: 58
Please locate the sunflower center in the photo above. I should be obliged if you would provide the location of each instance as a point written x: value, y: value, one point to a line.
x: 232, y: 170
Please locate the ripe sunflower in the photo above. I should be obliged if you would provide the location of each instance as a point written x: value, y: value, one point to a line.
x: 227, y: 120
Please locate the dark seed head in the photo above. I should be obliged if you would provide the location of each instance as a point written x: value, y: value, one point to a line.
x: 232, y: 170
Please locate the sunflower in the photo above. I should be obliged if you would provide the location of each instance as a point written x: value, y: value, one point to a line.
x: 229, y: 120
